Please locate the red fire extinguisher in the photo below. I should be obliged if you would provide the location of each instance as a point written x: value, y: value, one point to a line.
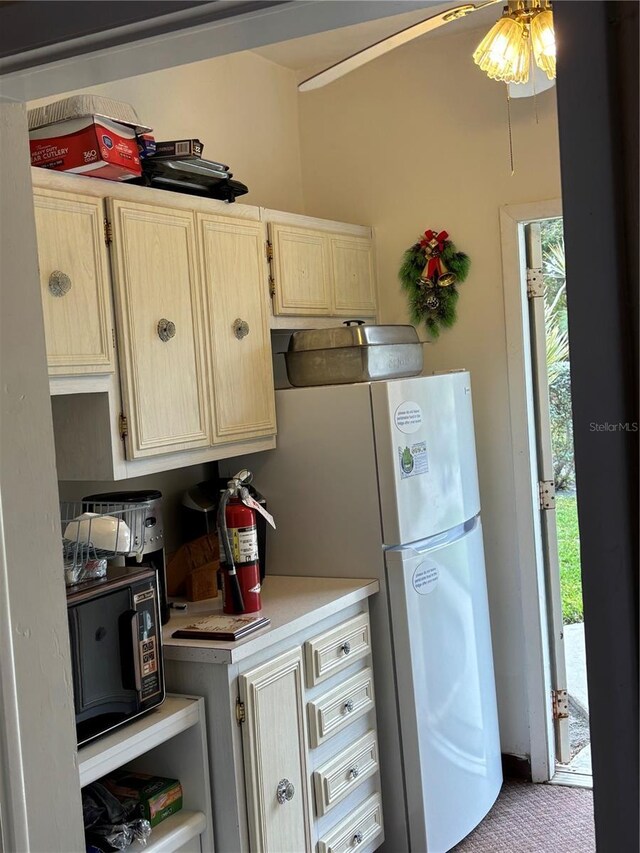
x: 239, y: 548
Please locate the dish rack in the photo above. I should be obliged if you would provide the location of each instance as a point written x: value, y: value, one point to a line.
x: 94, y: 533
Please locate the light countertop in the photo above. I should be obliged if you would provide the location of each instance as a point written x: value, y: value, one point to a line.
x: 291, y: 603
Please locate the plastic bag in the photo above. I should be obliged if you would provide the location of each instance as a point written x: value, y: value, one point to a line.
x: 111, y: 822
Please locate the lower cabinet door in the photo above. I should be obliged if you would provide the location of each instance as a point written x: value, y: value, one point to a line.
x: 274, y: 739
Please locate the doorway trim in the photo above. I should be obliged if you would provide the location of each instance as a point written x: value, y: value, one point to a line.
x: 530, y: 559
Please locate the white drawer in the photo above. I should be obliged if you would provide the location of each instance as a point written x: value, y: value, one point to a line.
x: 357, y: 830
x: 338, y: 777
x: 336, y: 649
x: 336, y: 709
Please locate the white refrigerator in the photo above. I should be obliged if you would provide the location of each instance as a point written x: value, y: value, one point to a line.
x: 379, y: 480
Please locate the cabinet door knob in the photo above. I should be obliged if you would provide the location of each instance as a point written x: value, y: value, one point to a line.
x: 354, y: 772
x: 166, y: 330
x: 285, y: 791
x: 59, y: 283
x: 240, y: 328
x: 348, y: 706
x: 357, y: 838
x: 346, y: 647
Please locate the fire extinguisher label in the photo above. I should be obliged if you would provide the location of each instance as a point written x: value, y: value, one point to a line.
x: 244, y: 541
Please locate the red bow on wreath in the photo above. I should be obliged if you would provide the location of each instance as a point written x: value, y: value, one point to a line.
x: 432, y: 239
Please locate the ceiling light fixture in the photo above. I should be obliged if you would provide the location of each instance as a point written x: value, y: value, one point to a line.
x: 526, y: 27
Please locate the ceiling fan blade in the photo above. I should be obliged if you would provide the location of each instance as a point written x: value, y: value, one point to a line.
x: 379, y: 48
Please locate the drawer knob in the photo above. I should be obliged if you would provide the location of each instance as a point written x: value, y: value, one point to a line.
x: 166, y: 330
x: 357, y: 838
x: 354, y: 772
x: 285, y: 791
x: 59, y: 283
x: 346, y: 647
x: 348, y: 706
x: 240, y: 328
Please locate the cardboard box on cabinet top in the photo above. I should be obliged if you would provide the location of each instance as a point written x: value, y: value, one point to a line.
x: 91, y: 145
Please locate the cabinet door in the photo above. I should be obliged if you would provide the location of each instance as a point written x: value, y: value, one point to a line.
x: 74, y: 281
x: 274, y: 739
x: 235, y: 279
x: 160, y: 331
x: 353, y: 278
x: 301, y: 270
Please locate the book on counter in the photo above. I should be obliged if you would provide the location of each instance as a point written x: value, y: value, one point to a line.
x: 222, y: 627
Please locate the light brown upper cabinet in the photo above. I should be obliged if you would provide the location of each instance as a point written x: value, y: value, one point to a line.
x: 353, y: 280
x: 316, y: 272
x: 74, y: 281
x: 301, y: 264
x: 234, y: 272
x: 159, y: 307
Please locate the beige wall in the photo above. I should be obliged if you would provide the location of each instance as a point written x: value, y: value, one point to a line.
x: 39, y: 794
x: 243, y: 107
x: 415, y: 140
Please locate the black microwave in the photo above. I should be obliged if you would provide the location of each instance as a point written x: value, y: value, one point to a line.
x: 116, y: 649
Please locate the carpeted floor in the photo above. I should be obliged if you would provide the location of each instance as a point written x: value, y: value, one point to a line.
x: 535, y: 819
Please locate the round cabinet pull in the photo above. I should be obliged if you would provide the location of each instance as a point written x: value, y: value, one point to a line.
x: 240, y: 328
x: 357, y: 838
x: 166, y: 330
x: 59, y: 283
x: 354, y: 772
x: 285, y: 791
x: 346, y: 647
x: 348, y: 706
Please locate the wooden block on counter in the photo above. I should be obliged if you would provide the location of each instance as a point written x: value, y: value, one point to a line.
x: 202, y: 583
x: 201, y: 552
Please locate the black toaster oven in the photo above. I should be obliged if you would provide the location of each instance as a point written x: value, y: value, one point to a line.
x: 116, y: 649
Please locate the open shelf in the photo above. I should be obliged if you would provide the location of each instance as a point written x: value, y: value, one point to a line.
x: 172, y: 833
x: 168, y: 741
x: 101, y: 756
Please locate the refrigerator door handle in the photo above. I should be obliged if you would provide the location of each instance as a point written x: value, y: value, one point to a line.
x: 441, y: 539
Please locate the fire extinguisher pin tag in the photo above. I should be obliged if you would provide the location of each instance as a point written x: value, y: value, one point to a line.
x: 247, y: 500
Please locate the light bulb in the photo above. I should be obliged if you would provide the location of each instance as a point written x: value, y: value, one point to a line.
x: 503, y: 54
x: 544, y: 42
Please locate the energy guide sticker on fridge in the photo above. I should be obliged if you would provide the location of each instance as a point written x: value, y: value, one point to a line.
x: 413, y: 459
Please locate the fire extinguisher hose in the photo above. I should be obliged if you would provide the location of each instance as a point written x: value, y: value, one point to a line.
x: 236, y: 592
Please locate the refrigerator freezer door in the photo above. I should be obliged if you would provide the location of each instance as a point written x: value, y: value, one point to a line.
x: 426, y: 455
x: 446, y: 689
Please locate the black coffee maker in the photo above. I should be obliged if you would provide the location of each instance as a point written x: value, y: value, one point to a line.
x: 153, y: 530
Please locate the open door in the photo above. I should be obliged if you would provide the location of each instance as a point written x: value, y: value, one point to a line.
x: 535, y: 292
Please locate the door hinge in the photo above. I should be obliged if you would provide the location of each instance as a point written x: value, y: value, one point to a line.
x: 535, y: 283
x: 272, y: 286
x: 241, y: 715
x: 547, y: 491
x: 123, y: 422
x: 113, y: 337
x: 269, y: 250
x: 560, y: 704
x: 108, y: 232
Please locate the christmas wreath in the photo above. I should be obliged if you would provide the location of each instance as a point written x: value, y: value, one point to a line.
x: 430, y: 272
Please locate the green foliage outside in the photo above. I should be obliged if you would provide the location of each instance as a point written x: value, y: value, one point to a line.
x: 569, y: 554
x: 555, y: 310
x: 553, y: 269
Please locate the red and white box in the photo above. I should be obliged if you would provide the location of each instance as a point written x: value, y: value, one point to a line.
x: 90, y: 145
